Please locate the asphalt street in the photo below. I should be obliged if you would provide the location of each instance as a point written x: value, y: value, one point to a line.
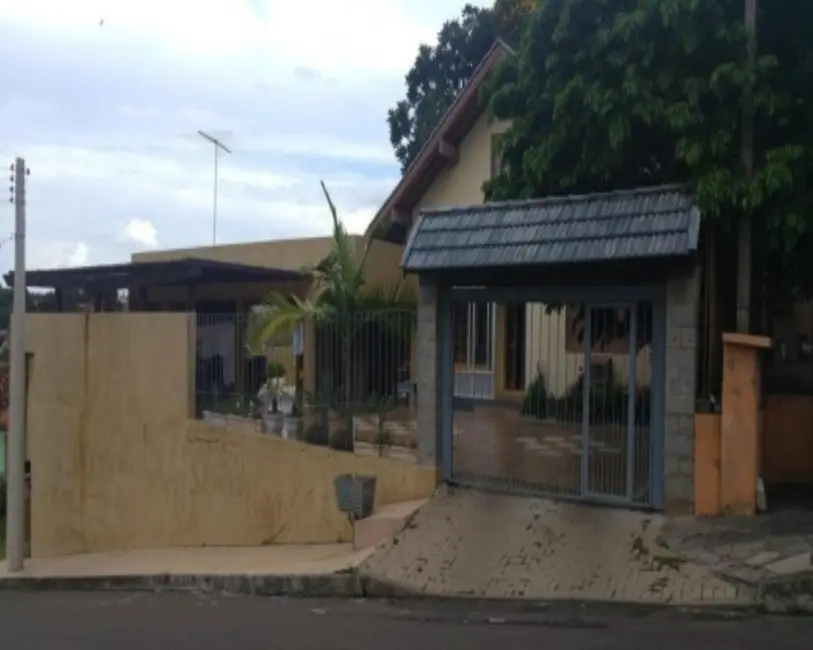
x: 96, y: 621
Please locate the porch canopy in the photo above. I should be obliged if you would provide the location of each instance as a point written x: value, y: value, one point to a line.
x: 151, y: 274
x: 99, y: 281
x: 630, y: 226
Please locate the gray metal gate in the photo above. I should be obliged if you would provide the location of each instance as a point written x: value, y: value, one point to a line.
x: 574, y: 406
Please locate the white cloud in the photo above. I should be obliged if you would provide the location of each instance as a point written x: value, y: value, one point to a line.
x: 57, y: 254
x: 107, y: 117
x: 141, y: 231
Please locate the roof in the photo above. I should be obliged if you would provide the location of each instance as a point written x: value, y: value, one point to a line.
x: 452, y: 128
x: 632, y: 224
x: 145, y: 274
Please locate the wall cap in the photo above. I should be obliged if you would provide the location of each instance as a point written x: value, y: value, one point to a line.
x: 747, y: 340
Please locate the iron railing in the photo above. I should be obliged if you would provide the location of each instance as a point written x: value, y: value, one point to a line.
x: 341, y: 381
x: 553, y: 399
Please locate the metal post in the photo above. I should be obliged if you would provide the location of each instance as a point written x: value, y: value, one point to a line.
x: 214, y: 211
x: 15, y: 515
x: 217, y: 145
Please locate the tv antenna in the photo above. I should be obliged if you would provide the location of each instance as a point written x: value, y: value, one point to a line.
x: 217, y: 146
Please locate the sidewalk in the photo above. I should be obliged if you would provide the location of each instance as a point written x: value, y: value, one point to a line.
x: 313, y: 570
x: 769, y: 554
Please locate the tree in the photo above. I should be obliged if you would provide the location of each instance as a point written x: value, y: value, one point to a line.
x: 644, y: 92
x: 439, y: 73
x: 341, y: 298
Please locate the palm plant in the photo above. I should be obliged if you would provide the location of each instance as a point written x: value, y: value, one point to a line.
x: 341, y: 297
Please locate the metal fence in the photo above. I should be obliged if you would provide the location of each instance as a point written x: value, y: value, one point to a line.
x: 553, y: 399
x: 361, y: 389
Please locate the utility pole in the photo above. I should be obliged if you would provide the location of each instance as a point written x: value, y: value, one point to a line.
x: 745, y: 225
x: 217, y: 146
x: 15, y: 515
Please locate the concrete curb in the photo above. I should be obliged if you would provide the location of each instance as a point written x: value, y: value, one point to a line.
x: 793, y: 596
x: 391, y: 590
x: 331, y: 585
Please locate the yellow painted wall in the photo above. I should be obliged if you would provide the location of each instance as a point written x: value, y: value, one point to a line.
x: 289, y: 254
x: 462, y: 183
x: 117, y: 463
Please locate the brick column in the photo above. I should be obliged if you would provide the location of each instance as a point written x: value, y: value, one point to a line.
x: 682, y: 304
x: 427, y: 373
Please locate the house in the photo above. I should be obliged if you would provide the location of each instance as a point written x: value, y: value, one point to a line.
x: 561, y: 346
x: 560, y: 343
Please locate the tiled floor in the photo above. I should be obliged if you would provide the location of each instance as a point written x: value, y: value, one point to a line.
x: 495, y: 443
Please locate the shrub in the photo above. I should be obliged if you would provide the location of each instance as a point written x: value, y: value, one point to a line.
x: 275, y: 370
x: 537, y: 400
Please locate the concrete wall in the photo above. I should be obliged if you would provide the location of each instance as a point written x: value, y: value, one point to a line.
x: 117, y: 463
x: 289, y: 254
x: 787, y: 439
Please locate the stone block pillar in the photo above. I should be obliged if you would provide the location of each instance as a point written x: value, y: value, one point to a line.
x: 426, y: 372
x: 682, y: 305
x: 739, y: 430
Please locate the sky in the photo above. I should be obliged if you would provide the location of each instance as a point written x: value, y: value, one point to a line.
x: 104, y: 99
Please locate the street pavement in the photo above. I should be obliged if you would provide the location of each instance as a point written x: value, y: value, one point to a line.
x: 96, y: 621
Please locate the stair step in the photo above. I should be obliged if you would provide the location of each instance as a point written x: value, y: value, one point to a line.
x: 386, y: 522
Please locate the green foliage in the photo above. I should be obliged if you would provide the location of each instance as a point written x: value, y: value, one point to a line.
x: 341, y: 297
x: 608, y: 405
x: 537, y: 399
x: 610, y: 94
x: 275, y: 370
x: 440, y: 71
x: 437, y: 76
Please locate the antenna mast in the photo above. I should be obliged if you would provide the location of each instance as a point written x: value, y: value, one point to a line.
x: 217, y: 146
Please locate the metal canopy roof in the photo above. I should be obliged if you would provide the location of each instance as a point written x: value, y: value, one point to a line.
x: 658, y: 222
x: 146, y: 274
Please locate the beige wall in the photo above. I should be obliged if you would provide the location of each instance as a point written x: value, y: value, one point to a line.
x: 292, y: 254
x: 116, y: 462
x: 462, y: 183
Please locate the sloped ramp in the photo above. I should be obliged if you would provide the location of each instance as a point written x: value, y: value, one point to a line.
x: 475, y: 544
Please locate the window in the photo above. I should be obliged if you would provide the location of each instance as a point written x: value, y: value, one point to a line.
x: 472, y: 334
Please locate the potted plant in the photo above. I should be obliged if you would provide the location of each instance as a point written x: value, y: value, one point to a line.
x: 269, y: 395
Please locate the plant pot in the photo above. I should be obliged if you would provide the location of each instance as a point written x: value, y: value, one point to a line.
x: 293, y: 427
x: 216, y: 419
x: 274, y: 423
x: 355, y: 495
x: 384, y: 451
